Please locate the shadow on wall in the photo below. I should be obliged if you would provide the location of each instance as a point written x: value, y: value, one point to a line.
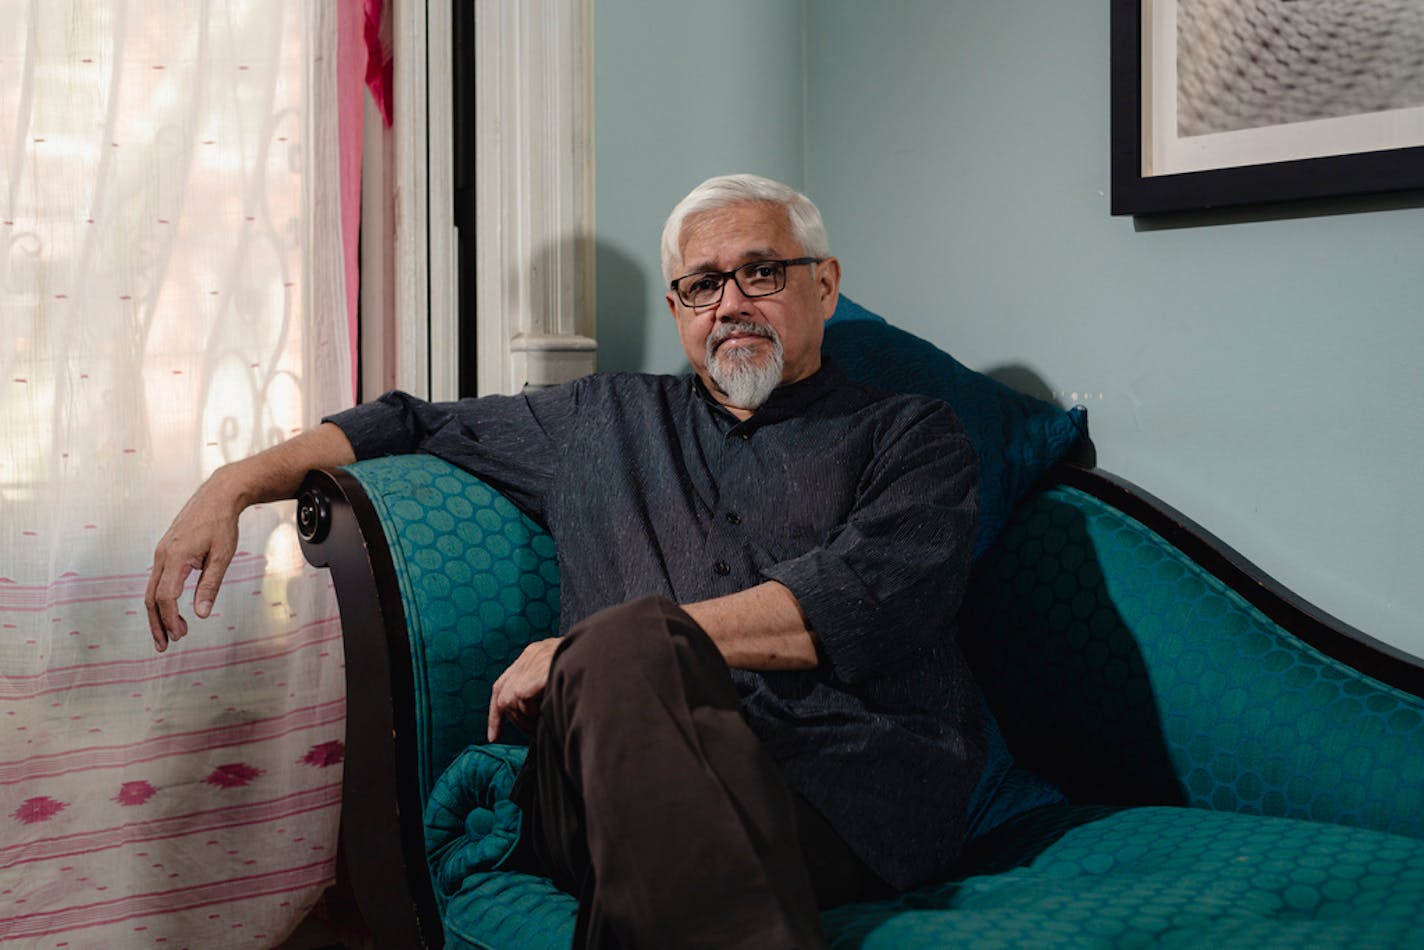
x: 623, y: 318
x: 1024, y: 380
x: 1021, y: 379
x: 1281, y: 211
x: 556, y: 259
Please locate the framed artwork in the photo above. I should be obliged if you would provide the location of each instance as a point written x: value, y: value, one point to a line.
x: 1217, y: 103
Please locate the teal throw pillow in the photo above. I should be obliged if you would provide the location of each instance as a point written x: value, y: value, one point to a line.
x: 1017, y: 437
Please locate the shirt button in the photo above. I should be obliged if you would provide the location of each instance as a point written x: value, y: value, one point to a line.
x: 733, y: 518
x: 722, y: 568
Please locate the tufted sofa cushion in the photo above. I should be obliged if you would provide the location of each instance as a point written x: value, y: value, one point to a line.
x: 471, y: 831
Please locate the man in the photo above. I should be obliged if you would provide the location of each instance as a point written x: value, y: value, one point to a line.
x: 756, y: 706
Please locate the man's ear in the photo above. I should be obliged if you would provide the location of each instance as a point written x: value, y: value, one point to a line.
x: 672, y: 304
x: 828, y: 285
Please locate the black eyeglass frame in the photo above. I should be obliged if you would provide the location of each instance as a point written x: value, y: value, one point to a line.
x: 789, y: 262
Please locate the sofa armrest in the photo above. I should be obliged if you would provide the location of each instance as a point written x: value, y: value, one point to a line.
x: 441, y: 582
x: 382, y: 858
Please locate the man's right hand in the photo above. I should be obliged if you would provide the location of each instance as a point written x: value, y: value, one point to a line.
x: 203, y: 538
x: 517, y: 693
x: 204, y: 535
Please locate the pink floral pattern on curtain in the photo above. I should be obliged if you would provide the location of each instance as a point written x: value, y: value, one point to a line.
x: 172, y: 297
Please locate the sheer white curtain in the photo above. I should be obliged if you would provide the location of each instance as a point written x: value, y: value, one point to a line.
x: 171, y: 297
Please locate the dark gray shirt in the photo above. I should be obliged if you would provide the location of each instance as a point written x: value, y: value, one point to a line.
x: 863, y: 503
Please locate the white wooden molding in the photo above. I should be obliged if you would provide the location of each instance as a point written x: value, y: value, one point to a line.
x: 444, y: 248
x: 410, y: 128
x: 534, y: 192
x: 378, y: 299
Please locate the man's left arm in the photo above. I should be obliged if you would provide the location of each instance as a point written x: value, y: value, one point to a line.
x: 760, y: 628
x: 878, y: 591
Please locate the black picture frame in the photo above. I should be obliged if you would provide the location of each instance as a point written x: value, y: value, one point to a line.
x: 1364, y: 173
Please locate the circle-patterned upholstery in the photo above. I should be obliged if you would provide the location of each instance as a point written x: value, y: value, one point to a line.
x: 479, y: 580
x: 1128, y: 674
x: 1161, y: 877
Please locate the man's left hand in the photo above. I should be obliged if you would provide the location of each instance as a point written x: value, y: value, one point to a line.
x: 519, y: 689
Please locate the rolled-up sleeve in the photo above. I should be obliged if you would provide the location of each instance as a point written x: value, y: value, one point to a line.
x: 878, y: 592
x: 394, y: 424
x: 512, y: 442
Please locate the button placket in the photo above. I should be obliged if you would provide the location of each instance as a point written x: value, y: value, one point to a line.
x: 722, y: 535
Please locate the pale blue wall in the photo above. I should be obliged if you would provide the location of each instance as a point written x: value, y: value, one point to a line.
x: 682, y: 91
x: 1262, y: 376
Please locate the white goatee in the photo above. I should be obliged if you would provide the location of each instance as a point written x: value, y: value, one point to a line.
x: 743, y: 378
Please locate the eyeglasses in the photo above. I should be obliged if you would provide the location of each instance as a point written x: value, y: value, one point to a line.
x: 757, y: 279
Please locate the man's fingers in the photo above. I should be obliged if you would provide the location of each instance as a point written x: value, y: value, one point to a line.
x: 150, y: 603
x: 492, y: 727
x: 165, y: 587
x: 507, y: 702
x: 521, y: 713
x: 523, y: 717
x: 519, y: 689
x: 167, y: 591
x: 211, y: 580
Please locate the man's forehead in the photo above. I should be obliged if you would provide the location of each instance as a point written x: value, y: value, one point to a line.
x: 725, y: 237
x: 727, y: 258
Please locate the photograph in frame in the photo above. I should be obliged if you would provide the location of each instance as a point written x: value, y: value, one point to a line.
x: 1230, y: 102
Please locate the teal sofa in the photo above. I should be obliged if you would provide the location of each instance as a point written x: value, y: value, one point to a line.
x: 1236, y: 768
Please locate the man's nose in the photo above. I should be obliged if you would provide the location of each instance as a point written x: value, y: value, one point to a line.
x: 733, y: 302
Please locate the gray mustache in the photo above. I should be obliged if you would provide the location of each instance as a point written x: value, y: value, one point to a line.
x: 724, y: 330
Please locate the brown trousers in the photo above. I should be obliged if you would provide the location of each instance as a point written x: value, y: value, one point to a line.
x: 655, y: 804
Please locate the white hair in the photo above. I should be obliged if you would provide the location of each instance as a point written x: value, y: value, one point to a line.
x: 726, y: 190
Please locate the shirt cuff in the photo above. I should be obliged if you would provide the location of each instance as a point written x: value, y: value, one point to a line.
x: 839, y: 609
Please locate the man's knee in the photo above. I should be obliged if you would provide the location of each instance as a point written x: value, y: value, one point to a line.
x: 606, y: 663
x: 621, y: 635
x: 647, y: 643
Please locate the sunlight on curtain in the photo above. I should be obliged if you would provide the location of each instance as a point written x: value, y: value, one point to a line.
x: 170, y: 298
